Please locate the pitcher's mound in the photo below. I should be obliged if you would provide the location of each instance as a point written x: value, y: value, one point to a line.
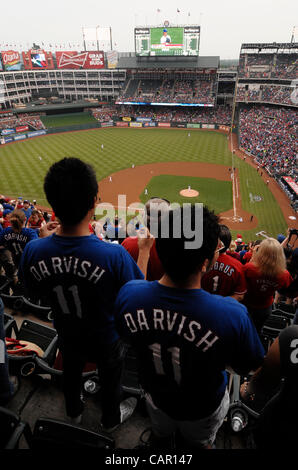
x: 189, y: 193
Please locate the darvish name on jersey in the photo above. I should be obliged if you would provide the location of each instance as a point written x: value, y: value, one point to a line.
x: 167, y: 321
x: 66, y: 265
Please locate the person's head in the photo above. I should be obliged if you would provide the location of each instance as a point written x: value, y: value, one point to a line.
x: 165, y: 32
x: 225, y: 236
x: 26, y: 204
x: 233, y: 246
x: 179, y: 262
x: 35, y: 215
x: 280, y: 238
x: 17, y: 220
x: 64, y: 181
x: 6, y: 213
x: 269, y: 258
x: 155, y: 208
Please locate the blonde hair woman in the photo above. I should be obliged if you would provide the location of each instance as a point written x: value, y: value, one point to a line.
x: 265, y: 274
x: 232, y: 250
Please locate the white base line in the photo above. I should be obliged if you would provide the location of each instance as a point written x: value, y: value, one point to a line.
x: 235, y: 183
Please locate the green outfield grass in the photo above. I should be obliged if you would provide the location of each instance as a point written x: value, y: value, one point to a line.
x: 22, y: 172
x: 214, y: 193
x: 60, y: 120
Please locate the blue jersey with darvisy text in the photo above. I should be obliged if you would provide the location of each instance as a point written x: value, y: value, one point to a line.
x: 16, y: 241
x: 81, y: 277
x: 184, y: 340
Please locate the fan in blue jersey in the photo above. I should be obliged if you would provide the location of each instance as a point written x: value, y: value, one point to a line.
x: 16, y: 237
x: 185, y: 337
x: 81, y: 276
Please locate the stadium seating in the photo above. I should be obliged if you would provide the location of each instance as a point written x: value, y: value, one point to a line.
x: 279, y: 65
x: 40, y: 335
x: 50, y: 433
x: 12, y: 428
x: 269, y: 135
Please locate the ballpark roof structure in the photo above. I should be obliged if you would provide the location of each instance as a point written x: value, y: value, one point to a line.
x: 206, y: 62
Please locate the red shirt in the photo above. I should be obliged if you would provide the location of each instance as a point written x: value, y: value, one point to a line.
x: 6, y: 223
x: 234, y: 254
x: 225, y: 278
x: 247, y: 257
x: 261, y: 289
x: 33, y: 224
x: 154, y: 270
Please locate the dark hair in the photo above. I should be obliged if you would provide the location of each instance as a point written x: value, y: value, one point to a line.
x: 225, y: 236
x: 17, y: 219
x: 68, y: 179
x: 178, y: 262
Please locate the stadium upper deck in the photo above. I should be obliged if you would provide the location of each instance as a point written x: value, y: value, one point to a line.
x: 268, y: 73
x: 265, y: 75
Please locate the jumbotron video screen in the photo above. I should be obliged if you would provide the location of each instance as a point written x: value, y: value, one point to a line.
x: 166, y: 41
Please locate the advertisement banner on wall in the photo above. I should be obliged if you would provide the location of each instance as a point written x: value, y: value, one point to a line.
x: 164, y: 124
x: 143, y: 119
x: 38, y: 60
x: 193, y: 126
x: 22, y: 128
x: 149, y: 124
x: 80, y: 60
x: 11, y: 60
x: 135, y: 124
x: 7, y: 131
x: 1, y: 67
x: 36, y: 133
x: 112, y: 58
x: 126, y: 119
x: 107, y: 124
x: 6, y: 140
x: 208, y: 126
x: 20, y: 137
x: 122, y: 124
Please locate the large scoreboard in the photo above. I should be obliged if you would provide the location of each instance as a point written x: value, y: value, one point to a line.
x: 167, y: 41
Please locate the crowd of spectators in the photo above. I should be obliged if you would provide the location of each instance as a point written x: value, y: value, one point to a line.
x: 103, y: 114
x: 171, y: 91
x: 203, y: 303
x: 270, y: 135
x: 25, y: 119
x: 219, y: 115
x: 282, y: 66
x: 277, y: 94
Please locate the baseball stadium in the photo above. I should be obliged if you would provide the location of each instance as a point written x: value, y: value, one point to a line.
x: 162, y: 122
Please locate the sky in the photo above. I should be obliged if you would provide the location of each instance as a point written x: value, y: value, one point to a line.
x: 225, y: 24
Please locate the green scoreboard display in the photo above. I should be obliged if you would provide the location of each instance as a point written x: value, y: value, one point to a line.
x: 165, y: 41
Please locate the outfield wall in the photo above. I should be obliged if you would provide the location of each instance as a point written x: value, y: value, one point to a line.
x: 13, y: 136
